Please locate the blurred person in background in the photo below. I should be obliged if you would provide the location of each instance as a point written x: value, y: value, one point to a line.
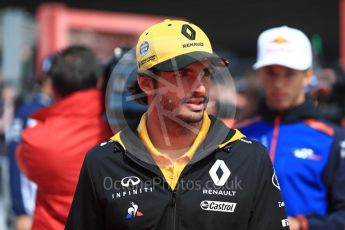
x: 338, y: 98
x: 7, y: 102
x: 321, y: 84
x: 53, y: 148
x: 305, y: 149
x: 248, y: 95
x: 324, y: 90
x: 121, y: 71
x: 6, y: 112
x: 22, y: 190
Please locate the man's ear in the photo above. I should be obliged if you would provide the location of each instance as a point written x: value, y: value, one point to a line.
x: 308, y: 76
x: 146, y: 84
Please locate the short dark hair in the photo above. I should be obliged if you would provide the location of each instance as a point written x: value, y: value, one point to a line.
x: 134, y: 88
x: 74, y: 68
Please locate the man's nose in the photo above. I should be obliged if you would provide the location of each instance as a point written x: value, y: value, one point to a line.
x: 199, y: 88
x: 278, y: 81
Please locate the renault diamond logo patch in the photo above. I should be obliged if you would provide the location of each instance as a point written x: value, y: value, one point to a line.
x: 188, y: 32
x: 219, y: 164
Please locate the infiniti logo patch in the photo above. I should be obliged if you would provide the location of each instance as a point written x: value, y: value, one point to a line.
x: 130, y: 181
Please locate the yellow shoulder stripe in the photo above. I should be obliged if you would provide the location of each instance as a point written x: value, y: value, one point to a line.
x: 238, y: 135
x: 117, y: 139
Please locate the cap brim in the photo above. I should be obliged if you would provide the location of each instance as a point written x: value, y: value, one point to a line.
x: 283, y: 62
x: 184, y: 60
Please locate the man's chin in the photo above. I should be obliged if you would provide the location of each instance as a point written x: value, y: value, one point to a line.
x: 279, y: 107
x: 192, y: 117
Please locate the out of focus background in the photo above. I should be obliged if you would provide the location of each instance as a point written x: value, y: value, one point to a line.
x: 31, y: 30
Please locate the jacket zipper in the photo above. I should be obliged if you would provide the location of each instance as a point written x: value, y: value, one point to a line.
x: 274, y: 140
x: 174, y: 192
x: 173, y: 206
x: 173, y: 196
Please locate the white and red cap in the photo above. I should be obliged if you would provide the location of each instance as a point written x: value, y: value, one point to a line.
x: 284, y: 46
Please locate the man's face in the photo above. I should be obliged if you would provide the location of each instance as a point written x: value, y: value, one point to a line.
x: 183, y: 94
x: 284, y: 87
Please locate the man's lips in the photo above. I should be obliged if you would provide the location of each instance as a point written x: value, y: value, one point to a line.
x: 196, y: 104
x: 278, y: 95
x: 196, y: 101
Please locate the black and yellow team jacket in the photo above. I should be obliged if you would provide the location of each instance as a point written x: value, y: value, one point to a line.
x: 228, y: 184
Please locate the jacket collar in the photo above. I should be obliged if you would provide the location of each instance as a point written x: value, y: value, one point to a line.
x: 219, y: 136
x: 303, y: 111
x: 82, y: 103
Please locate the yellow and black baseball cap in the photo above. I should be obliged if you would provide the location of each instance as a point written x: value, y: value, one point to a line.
x: 172, y: 45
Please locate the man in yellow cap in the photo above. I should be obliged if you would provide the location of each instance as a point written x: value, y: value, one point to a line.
x: 178, y: 168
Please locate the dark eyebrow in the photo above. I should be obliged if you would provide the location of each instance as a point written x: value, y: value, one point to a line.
x: 188, y: 70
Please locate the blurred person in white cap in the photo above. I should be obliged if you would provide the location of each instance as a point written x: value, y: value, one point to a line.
x: 176, y: 167
x: 305, y: 149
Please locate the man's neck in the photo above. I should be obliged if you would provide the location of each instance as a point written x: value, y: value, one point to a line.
x: 169, y: 137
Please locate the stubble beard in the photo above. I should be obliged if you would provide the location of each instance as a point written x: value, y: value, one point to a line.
x: 181, y: 112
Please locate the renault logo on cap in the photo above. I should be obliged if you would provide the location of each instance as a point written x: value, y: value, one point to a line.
x: 130, y: 181
x: 219, y: 164
x: 188, y: 32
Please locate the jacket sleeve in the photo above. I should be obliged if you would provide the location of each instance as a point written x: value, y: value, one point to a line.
x: 268, y: 211
x: 334, y: 178
x: 86, y: 212
x: 15, y: 175
x: 32, y: 154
